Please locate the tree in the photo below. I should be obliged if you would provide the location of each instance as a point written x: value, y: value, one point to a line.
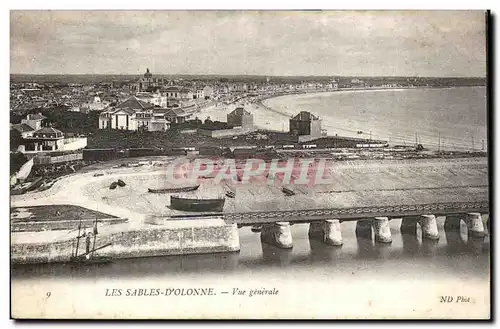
x: 16, y: 161
x: 16, y: 139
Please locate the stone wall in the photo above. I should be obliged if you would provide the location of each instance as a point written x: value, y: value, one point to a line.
x: 225, y: 132
x: 143, y: 242
x: 46, y: 225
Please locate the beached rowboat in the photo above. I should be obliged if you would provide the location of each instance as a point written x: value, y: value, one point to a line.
x: 176, y: 189
x: 196, y: 205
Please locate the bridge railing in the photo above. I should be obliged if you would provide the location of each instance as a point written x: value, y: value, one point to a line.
x: 355, y: 213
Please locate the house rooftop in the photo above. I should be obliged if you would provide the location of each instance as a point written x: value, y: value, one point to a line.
x: 134, y: 103
x: 37, y: 116
x: 304, y: 116
x: 22, y: 127
x: 48, y: 130
x: 177, y: 111
x: 239, y: 111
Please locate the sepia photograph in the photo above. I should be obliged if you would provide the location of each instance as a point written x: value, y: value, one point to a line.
x: 250, y: 164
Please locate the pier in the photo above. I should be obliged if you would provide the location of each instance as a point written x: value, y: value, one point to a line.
x: 324, y: 224
x: 372, y: 193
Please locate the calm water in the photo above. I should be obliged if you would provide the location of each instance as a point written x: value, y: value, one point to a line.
x: 360, y: 268
x: 457, y: 116
x: 452, y: 255
x: 360, y: 279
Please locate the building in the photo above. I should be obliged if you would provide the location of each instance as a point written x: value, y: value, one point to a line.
x: 34, y: 120
x: 333, y: 84
x: 136, y: 114
x: 48, y: 139
x: 239, y: 122
x: 29, y: 125
x: 121, y: 116
x: 208, y: 92
x: 158, y: 98
x: 96, y: 105
x: 306, y: 126
x: 105, y: 119
x: 152, y: 120
x: 24, y: 129
x: 240, y: 118
x: 176, y: 115
x: 148, y: 83
x: 177, y: 96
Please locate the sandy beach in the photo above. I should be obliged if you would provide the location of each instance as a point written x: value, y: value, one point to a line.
x: 263, y: 118
x: 446, y: 118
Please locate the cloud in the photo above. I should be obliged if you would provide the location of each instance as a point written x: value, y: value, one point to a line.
x: 444, y: 43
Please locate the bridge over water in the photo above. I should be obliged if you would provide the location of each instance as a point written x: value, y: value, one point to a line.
x: 371, y: 193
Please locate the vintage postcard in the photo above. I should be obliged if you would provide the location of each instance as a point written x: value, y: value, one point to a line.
x: 249, y: 165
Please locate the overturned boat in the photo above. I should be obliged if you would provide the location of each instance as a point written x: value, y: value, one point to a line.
x: 288, y: 191
x: 230, y: 192
x: 26, y: 187
x: 176, y: 189
x: 197, y: 205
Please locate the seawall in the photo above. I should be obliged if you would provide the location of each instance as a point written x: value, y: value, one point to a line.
x: 194, y: 237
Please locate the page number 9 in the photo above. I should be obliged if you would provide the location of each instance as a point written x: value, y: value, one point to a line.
x: 48, y: 294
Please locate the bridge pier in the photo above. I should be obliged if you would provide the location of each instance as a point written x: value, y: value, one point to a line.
x: 380, y: 225
x: 475, y: 227
x: 429, y: 228
x: 427, y: 223
x: 327, y: 231
x: 382, y: 230
x: 474, y: 222
x: 277, y: 234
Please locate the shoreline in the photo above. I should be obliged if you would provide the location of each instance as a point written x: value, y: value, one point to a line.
x: 152, y: 233
x: 343, y: 123
x: 261, y: 99
x: 345, y: 90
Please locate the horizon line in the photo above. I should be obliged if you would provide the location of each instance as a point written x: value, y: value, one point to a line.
x: 256, y: 75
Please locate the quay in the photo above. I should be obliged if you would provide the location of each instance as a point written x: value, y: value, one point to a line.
x: 372, y: 193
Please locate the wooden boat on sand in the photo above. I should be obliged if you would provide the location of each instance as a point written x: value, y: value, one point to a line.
x: 196, y: 205
x: 176, y: 189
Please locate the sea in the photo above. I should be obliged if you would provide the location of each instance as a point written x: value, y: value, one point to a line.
x: 438, y: 118
x: 360, y: 279
x: 409, y: 278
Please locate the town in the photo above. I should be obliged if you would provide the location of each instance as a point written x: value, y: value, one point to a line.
x: 65, y: 122
x: 253, y: 164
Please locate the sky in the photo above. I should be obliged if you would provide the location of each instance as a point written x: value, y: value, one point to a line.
x: 273, y: 43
